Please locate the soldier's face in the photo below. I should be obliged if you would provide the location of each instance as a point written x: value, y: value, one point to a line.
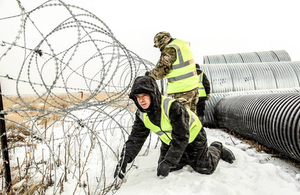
x: 156, y: 43
x: 144, y: 100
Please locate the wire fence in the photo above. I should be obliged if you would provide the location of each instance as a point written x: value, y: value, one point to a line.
x: 70, y: 114
x: 66, y: 133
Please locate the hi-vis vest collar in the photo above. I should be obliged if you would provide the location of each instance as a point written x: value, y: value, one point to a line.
x: 164, y: 131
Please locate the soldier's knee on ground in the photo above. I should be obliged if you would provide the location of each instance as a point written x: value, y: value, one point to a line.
x: 205, y: 170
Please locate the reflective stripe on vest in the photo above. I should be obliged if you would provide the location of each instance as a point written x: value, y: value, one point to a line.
x: 202, y: 92
x: 182, y: 75
x: 165, y: 130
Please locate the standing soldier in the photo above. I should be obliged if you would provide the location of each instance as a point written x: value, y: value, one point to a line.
x: 204, y: 92
x: 176, y: 63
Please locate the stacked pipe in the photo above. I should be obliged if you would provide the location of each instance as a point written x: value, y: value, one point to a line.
x: 225, y: 78
x: 252, y: 76
x: 263, y: 56
x: 257, y: 100
x: 210, y: 119
x: 271, y: 119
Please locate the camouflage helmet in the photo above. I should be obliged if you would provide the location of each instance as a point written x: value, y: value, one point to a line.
x: 161, y: 39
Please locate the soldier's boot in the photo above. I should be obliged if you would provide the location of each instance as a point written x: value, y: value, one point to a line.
x: 226, y: 154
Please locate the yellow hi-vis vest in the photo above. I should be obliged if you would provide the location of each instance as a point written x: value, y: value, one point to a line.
x: 183, y: 75
x: 202, y: 92
x: 165, y: 130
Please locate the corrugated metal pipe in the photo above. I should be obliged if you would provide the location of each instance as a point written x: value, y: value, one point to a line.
x: 229, y: 78
x: 271, y: 119
x: 252, y: 76
x: 262, y: 56
x: 209, y: 113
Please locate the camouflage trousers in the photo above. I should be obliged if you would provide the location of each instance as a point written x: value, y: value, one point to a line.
x: 187, y: 98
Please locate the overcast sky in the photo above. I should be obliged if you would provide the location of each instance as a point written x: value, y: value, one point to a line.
x: 212, y: 27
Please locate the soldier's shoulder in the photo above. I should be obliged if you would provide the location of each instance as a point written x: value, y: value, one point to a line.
x: 169, y: 49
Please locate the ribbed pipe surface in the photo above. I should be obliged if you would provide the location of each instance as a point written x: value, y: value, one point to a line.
x: 271, y: 119
x: 263, y: 56
x: 252, y: 76
x: 209, y: 113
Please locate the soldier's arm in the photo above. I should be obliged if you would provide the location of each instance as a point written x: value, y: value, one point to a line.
x: 136, y: 139
x: 163, y: 66
x: 179, y: 119
x: 206, y: 84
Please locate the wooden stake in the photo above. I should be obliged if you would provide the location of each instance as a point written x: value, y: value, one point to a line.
x: 4, y: 148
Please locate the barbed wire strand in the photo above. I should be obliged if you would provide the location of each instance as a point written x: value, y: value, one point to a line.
x: 89, y: 61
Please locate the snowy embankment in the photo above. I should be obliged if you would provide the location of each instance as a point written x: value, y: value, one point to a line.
x: 253, y: 173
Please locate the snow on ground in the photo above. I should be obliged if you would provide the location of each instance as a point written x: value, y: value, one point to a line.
x: 253, y: 173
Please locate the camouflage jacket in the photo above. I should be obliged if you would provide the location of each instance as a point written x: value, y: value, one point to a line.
x: 164, y: 64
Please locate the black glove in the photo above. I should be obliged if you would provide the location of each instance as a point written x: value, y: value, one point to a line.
x: 147, y: 73
x: 163, y: 168
x: 121, y: 168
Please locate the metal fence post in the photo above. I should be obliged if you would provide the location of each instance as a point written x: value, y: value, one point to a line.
x: 4, y: 148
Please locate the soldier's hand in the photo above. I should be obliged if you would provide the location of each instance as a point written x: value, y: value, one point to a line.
x: 163, y: 168
x: 207, y: 96
x: 121, y: 167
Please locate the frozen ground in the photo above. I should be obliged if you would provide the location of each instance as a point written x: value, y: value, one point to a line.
x: 253, y: 173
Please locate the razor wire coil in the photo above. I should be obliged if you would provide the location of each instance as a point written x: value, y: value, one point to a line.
x: 89, y: 60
